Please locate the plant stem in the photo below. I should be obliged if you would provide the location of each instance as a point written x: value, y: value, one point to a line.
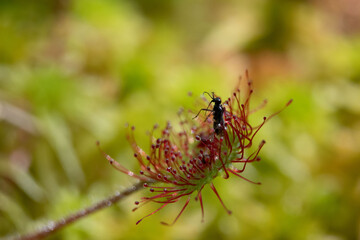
x: 54, y: 226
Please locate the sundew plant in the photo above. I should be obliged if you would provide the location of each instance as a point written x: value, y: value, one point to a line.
x: 218, y: 141
x: 179, y: 164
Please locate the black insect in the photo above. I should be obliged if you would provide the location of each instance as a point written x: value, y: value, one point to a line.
x: 217, y: 112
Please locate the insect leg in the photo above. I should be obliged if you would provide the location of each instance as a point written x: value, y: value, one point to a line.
x: 212, y: 111
x: 204, y: 109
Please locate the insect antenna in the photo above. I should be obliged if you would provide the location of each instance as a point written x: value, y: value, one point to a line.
x: 206, y: 109
x: 212, y: 97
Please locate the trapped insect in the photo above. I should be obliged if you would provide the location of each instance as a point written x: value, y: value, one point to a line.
x: 180, y: 163
x: 217, y: 111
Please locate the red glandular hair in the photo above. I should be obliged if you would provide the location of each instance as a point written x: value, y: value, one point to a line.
x: 181, y: 163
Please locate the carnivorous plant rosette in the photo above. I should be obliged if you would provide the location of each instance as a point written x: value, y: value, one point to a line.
x: 181, y: 163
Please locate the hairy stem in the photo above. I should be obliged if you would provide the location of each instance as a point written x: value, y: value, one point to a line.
x: 54, y: 226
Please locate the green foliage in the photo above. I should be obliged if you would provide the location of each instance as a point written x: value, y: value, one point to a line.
x: 73, y: 72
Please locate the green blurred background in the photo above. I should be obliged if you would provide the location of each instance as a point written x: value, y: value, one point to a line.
x: 73, y: 72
